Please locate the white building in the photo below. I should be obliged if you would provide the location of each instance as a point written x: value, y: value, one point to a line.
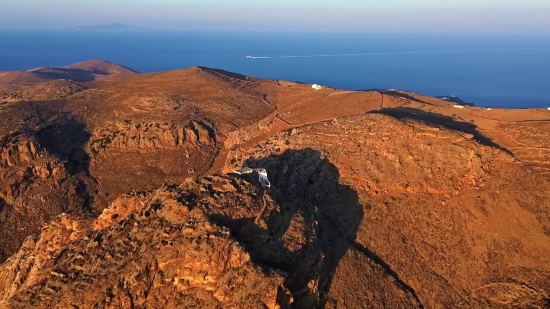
x: 316, y: 87
x: 459, y: 106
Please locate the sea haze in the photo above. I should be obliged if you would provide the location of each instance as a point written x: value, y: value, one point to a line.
x: 494, y: 70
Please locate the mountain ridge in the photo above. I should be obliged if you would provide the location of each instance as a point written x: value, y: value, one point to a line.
x: 82, y: 71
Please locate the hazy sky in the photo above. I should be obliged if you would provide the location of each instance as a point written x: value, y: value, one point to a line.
x: 285, y: 15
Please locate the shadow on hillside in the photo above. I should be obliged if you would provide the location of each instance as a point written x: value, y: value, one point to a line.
x: 6, y: 249
x: 310, y: 230
x: 227, y: 73
x: 60, y: 133
x: 16, y: 227
x: 404, y: 96
x: 65, y: 137
x: 372, y: 90
x: 72, y: 74
x: 70, y: 190
x: 405, y: 114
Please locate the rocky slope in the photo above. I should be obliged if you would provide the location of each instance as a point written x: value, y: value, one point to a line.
x: 166, y: 253
x: 38, y: 184
x: 78, y: 152
x: 117, y: 194
x: 450, y: 220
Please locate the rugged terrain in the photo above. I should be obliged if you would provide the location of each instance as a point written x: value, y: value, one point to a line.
x: 118, y: 192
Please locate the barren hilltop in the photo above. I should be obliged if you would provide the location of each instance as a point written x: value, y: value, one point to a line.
x: 83, y: 71
x: 116, y: 191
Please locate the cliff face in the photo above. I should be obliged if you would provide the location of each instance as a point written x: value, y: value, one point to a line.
x: 165, y: 152
x: 36, y: 186
x: 120, y: 195
x: 153, y: 250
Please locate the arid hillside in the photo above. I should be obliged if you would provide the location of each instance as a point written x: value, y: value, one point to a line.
x: 78, y: 149
x: 83, y: 71
x: 119, y: 193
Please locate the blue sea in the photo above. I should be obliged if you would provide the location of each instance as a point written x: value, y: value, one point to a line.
x: 494, y: 70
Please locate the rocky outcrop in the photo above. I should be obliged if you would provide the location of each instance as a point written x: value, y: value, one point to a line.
x: 156, y: 250
x: 16, y: 148
x: 166, y: 152
x: 144, y: 136
x: 37, y: 185
x: 33, y: 261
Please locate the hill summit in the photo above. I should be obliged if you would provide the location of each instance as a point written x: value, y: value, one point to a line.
x: 83, y: 71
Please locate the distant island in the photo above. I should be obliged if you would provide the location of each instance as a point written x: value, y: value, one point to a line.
x: 107, y: 27
x: 454, y: 99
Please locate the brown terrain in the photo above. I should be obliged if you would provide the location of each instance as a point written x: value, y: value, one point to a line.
x: 82, y: 71
x: 116, y: 191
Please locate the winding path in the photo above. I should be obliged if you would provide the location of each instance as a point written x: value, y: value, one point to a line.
x: 381, y: 99
x: 221, y: 158
x: 277, y: 115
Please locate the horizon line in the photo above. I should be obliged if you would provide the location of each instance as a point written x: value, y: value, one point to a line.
x: 140, y: 29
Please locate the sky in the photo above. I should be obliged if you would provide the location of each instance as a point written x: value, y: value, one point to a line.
x: 486, y: 16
